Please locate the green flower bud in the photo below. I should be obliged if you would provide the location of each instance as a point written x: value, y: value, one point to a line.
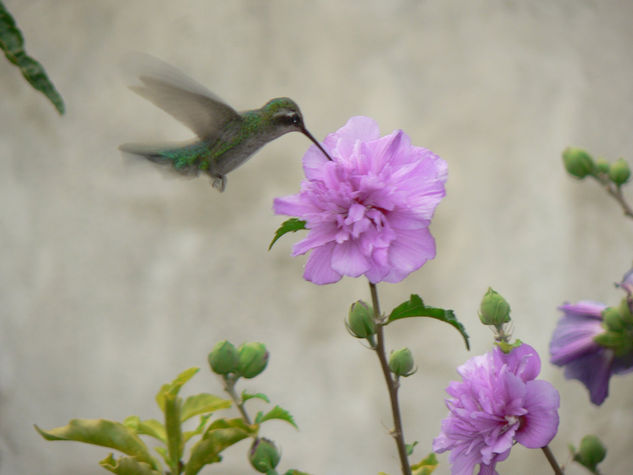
x: 577, y: 162
x: 494, y: 309
x: 224, y: 358
x: 625, y: 312
x: 263, y: 455
x: 612, y: 319
x: 619, y: 172
x: 602, y: 165
x: 591, y: 452
x: 253, y: 359
x: 401, y: 362
x: 360, y: 320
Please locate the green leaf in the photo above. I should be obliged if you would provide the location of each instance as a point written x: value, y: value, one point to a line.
x: 294, y: 471
x: 289, y: 226
x: 410, y: 447
x: 246, y: 396
x: 175, y: 443
x: 221, y: 434
x: 12, y: 43
x: 127, y: 466
x: 426, y: 466
x: 202, y: 404
x: 150, y: 427
x: 198, y: 430
x: 276, y: 413
x: 104, y: 433
x: 415, y: 307
x: 174, y: 387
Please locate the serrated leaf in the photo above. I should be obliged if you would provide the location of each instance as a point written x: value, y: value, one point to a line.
x: 150, y: 427
x: 174, y: 387
x: 276, y: 413
x: 12, y: 43
x: 415, y: 307
x: 289, y: 226
x: 220, y: 435
x: 202, y: 404
x: 105, y: 433
x: 246, y: 396
x: 426, y: 466
x: 127, y: 466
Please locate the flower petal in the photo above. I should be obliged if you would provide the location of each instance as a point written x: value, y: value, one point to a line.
x: 348, y: 260
x: 540, y: 424
x: 319, y: 268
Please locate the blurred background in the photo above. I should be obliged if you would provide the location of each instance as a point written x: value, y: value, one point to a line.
x: 113, y: 279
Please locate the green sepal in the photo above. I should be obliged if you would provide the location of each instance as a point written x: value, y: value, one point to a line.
x: 104, y: 433
x: 246, y: 396
x: 174, y: 387
x: 425, y: 466
x: 415, y: 307
x: 507, y: 347
x: 410, y: 447
x: 220, y: 435
x: 276, y: 412
x: 12, y: 43
x: 150, y: 427
x: 127, y: 466
x: 202, y: 404
x: 619, y: 341
x: 289, y: 226
x: 294, y: 471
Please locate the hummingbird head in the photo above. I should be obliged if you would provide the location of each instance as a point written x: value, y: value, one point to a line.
x: 286, y: 116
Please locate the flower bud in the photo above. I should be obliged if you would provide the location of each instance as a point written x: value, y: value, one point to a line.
x: 591, y: 452
x: 577, y: 162
x: 253, y: 359
x: 360, y: 320
x: 602, y: 165
x: 263, y: 455
x: 494, y: 309
x: 401, y: 362
x: 224, y: 358
x: 619, y: 172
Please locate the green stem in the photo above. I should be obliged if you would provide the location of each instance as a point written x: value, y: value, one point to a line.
x: 229, y: 387
x: 392, y: 385
x: 616, y: 192
x: 552, y: 460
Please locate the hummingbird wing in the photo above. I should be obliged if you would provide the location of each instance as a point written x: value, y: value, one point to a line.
x: 183, y: 98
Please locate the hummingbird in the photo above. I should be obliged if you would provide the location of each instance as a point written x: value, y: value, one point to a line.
x: 225, y: 138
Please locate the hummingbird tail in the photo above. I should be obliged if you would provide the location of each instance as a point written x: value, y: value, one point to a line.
x: 184, y: 161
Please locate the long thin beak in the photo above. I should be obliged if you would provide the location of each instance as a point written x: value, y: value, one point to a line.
x: 311, y: 137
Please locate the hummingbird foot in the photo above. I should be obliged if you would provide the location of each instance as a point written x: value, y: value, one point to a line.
x: 219, y: 182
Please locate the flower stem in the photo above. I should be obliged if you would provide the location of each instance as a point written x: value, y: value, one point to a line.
x: 229, y: 387
x: 392, y: 385
x: 616, y: 192
x: 552, y: 460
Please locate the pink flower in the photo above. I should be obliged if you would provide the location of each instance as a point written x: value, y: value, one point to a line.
x: 367, y: 210
x: 498, y: 402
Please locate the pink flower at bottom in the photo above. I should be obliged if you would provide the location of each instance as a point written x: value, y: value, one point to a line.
x: 367, y: 210
x: 498, y: 402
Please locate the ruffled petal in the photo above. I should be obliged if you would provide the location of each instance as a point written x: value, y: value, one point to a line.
x: 348, y: 260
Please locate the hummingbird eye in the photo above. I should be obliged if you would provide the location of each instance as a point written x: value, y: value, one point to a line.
x: 290, y: 119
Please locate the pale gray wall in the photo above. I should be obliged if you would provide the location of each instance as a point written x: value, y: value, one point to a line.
x: 113, y: 279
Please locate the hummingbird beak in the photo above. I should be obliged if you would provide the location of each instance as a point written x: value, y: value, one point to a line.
x: 311, y: 137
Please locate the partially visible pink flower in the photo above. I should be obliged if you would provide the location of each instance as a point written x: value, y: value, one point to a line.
x: 573, y: 347
x: 367, y: 210
x: 499, y: 401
